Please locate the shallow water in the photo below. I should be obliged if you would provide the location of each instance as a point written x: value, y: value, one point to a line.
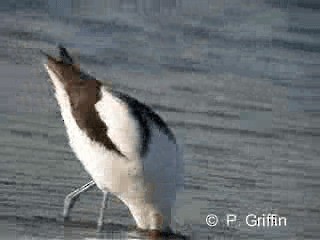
x: 237, y: 81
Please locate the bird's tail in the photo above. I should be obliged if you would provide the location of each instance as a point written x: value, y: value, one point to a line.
x: 64, y: 55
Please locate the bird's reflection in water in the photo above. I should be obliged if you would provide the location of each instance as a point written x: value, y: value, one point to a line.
x: 88, y: 231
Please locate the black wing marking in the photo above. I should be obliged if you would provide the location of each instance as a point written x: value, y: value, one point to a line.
x: 64, y: 55
x: 145, y: 115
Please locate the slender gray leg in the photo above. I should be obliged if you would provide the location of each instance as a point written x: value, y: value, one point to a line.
x: 103, y: 206
x: 73, y: 196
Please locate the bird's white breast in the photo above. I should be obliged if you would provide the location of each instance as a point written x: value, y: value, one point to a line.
x: 104, y: 166
x: 147, y: 184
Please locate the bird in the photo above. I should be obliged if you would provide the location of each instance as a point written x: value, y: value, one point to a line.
x: 126, y: 147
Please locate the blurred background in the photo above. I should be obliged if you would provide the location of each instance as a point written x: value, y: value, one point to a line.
x: 236, y: 80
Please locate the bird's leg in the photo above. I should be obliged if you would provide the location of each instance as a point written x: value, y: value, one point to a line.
x: 73, y: 196
x: 103, y: 206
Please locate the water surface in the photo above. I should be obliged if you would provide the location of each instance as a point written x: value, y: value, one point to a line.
x: 238, y: 82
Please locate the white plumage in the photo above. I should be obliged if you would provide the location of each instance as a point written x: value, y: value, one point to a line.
x: 146, y: 184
